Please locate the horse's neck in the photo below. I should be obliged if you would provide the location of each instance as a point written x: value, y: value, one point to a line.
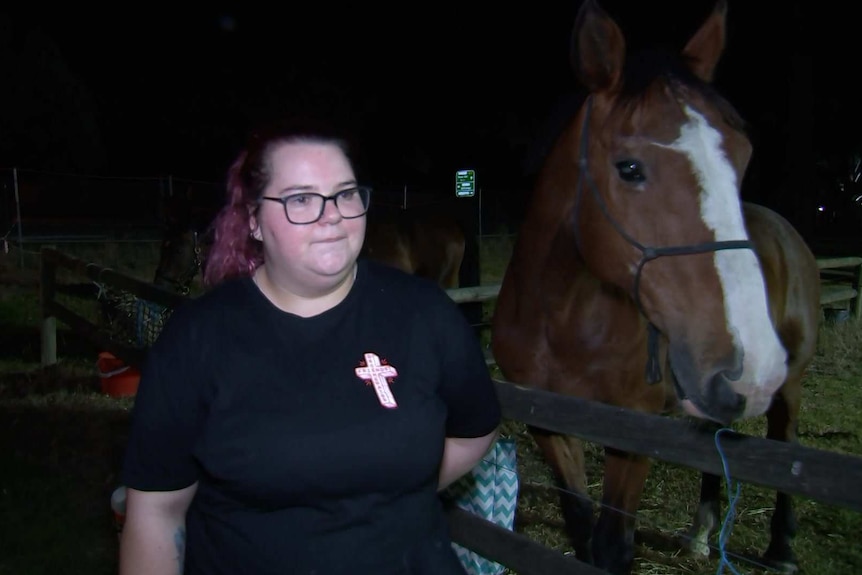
x: 559, y: 304
x: 553, y: 274
x: 546, y: 247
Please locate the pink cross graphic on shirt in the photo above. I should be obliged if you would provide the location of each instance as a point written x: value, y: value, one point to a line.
x: 378, y: 375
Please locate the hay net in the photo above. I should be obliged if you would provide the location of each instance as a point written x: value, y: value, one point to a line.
x: 132, y: 320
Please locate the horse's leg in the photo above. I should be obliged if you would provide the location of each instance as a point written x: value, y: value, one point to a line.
x: 565, y: 455
x: 708, y: 514
x: 614, y: 537
x: 706, y: 518
x: 782, y: 419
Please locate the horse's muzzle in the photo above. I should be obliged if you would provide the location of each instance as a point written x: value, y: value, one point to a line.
x: 716, y: 400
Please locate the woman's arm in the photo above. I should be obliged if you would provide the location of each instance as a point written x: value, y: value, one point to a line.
x: 461, y: 454
x: 154, y: 533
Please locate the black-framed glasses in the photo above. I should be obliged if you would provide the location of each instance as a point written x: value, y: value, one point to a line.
x: 308, y: 207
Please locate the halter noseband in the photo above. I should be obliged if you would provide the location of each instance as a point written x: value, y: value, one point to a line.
x: 648, y: 253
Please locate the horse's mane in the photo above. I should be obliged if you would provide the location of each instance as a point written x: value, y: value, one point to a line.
x: 645, y: 67
x: 558, y: 117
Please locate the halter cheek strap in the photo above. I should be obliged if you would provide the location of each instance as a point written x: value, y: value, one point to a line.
x: 648, y: 253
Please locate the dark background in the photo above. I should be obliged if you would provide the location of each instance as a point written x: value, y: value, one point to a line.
x: 150, y: 90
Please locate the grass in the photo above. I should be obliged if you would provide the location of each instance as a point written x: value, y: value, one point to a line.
x: 61, y: 442
x: 54, y: 516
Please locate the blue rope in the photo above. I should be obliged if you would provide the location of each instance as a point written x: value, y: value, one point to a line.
x: 732, y: 498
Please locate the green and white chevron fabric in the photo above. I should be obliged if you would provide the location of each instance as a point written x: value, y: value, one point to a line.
x: 490, y: 491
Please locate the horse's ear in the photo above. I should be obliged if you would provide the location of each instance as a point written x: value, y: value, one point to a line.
x: 704, y: 49
x: 597, y: 48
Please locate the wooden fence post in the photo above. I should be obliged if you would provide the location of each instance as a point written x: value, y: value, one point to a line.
x: 48, y: 272
x: 857, y: 285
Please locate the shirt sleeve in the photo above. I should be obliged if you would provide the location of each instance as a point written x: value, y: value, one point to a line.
x: 466, y: 387
x: 167, y: 411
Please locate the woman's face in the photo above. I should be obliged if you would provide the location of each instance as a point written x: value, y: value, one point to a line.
x: 319, y: 254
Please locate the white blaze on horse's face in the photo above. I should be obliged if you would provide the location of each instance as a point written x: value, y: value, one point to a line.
x: 764, y: 367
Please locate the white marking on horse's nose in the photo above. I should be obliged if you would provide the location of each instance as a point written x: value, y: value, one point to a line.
x: 764, y: 366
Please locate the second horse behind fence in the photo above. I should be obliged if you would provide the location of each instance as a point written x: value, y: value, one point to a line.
x: 430, y: 244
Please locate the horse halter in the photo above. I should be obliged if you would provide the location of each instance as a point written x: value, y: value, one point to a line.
x: 648, y: 253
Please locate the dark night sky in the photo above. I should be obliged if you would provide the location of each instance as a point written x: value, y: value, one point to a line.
x: 425, y: 86
x: 178, y: 91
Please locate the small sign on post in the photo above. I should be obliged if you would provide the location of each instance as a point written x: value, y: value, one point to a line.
x: 465, y: 183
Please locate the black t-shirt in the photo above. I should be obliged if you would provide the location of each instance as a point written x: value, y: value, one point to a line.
x: 315, y: 442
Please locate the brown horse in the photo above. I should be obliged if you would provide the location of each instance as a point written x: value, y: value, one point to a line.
x: 641, y: 280
x: 426, y: 243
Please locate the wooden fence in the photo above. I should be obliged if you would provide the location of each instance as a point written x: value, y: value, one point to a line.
x: 791, y: 468
x: 840, y: 280
x: 52, y: 310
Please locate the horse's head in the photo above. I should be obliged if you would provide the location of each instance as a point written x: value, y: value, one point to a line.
x: 180, y: 260
x: 657, y: 159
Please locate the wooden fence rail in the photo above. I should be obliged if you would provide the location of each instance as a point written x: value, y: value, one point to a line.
x: 788, y: 467
x: 840, y: 281
x: 791, y: 468
x: 53, y: 310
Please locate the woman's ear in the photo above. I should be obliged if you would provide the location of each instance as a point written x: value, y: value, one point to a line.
x: 254, y: 228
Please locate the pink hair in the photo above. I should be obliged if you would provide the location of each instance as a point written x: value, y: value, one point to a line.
x: 234, y: 252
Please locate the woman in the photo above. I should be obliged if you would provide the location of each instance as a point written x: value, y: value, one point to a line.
x: 301, y: 415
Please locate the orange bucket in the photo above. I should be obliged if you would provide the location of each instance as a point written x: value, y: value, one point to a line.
x: 118, y: 379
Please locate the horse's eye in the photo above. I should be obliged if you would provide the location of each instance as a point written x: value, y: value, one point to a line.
x: 630, y: 171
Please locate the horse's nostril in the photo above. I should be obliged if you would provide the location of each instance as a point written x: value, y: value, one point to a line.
x: 728, y: 404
